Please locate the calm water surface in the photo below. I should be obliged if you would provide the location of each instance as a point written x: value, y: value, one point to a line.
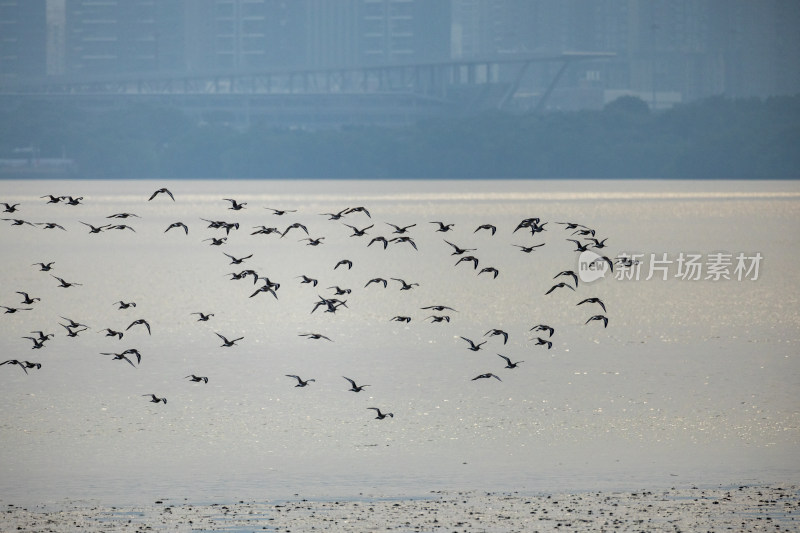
x: 692, y: 381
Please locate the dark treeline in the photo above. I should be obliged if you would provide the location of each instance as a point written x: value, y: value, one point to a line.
x: 709, y: 139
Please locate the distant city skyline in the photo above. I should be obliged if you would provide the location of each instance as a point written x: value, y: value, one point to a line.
x: 665, y: 51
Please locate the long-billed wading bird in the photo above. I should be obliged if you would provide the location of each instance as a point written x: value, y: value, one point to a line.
x: 156, y: 399
x: 225, y: 342
x: 380, y: 415
x: 300, y: 382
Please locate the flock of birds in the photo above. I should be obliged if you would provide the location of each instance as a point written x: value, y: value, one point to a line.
x: 583, y: 237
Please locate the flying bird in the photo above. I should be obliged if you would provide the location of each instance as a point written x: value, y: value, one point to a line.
x: 156, y: 399
x: 491, y: 270
x: 314, y: 336
x: 203, y: 317
x: 197, y: 379
x: 353, y: 386
x: 557, y: 286
x: 543, y: 327
x: 598, y: 317
x: 472, y: 346
x: 457, y: 250
x: 141, y: 321
x: 381, y: 416
x: 178, y: 225
x: 469, y: 258
x: 489, y: 227
x: 306, y: 279
x: 225, y: 342
x: 494, y: 332
x: 124, y: 305
x: 487, y: 375
x: 377, y: 280
x: 44, y: 267
x: 597, y: 301
x: 444, y: 228
x: 345, y: 262
x: 12, y: 310
x: 281, y: 212
x: 236, y: 206
x: 300, y: 382
x: 568, y: 273
x: 509, y: 364
x: 109, y: 332
x: 543, y: 342
x: 162, y: 190
x: 400, y: 229
x: 27, y: 300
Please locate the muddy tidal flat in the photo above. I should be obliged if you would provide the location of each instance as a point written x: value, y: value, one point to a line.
x: 744, y: 508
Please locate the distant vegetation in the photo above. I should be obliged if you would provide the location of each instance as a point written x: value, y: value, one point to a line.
x: 709, y: 139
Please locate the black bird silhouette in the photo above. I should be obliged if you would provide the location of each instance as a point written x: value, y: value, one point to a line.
x: 400, y: 229
x: 12, y: 310
x: 236, y: 206
x: 178, y: 225
x: 65, y: 284
x: 472, y: 346
x: 353, y: 386
x: 72, y: 331
x: 139, y: 321
x: 44, y: 267
x: 593, y: 301
x: 400, y: 318
x: 119, y: 357
x: 50, y: 225
x: 543, y: 327
x: 313, y: 242
x: 381, y: 416
x: 300, y: 382
x: 443, y: 227
x: 438, y: 318
x: 156, y: 399
x: 281, y: 212
x: 377, y: 280
x: 19, y: 222
x: 109, y: 332
x: 340, y: 291
x: 494, y: 332
x: 95, y: 229
x: 124, y: 305
x: 568, y: 273
x: 134, y: 351
x: 598, y: 243
x: 359, y: 232
x: 314, y: 336
x: 379, y: 239
x: 509, y: 364
x: 123, y: 215
x: 543, y: 342
x: 225, y: 342
x: 237, y: 260
x: 53, y: 199
x: 491, y: 270
x: 487, y: 375
x: 528, y: 249
x: 42, y: 336
x: 579, y: 246
x: 24, y: 365
x: 306, y: 279
x: 405, y: 286
x: 263, y: 230
x: 162, y: 190
x: 439, y: 308
x: 265, y: 288
x: 27, y: 300
x: 72, y: 201
x: 559, y: 285
x: 120, y: 227
x: 215, y: 241
x: 584, y: 232
x: 598, y: 317
x: 359, y: 209
x: 458, y: 250
x: 197, y: 379
x: 469, y: 258
x: 37, y: 343
x: 526, y: 223
x: 203, y: 317
x: 407, y: 239
x: 489, y: 227
x: 293, y: 226
x: 336, y: 216
x: 10, y: 208
x: 74, y: 324
x: 345, y: 262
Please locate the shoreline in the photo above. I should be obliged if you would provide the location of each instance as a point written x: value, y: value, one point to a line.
x: 773, y: 507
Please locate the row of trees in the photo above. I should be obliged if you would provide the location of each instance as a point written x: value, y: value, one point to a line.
x: 709, y: 139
